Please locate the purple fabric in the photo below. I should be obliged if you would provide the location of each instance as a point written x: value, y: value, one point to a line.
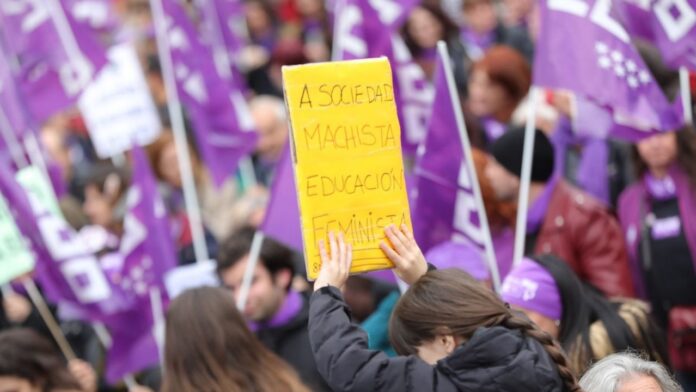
x: 635, y: 203
x: 669, y: 25
x: 292, y: 305
x: 11, y: 110
x: 504, y: 246
x: 576, y: 53
x: 148, y: 251
x: 494, y: 128
x: 282, y: 220
x: 224, y: 129
x: 537, y: 210
x: 477, y: 43
x: 660, y: 189
x: 531, y: 287
x: 592, y: 174
x: 465, y: 256
x: 445, y: 207
x: 365, y: 32
x: 54, y: 68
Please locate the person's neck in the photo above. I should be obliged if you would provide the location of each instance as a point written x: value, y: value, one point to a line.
x: 659, y: 172
x: 535, y: 190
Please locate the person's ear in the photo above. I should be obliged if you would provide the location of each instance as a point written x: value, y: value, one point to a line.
x: 283, y: 278
x: 448, y: 342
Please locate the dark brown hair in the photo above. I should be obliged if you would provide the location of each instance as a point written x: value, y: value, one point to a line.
x: 449, y: 28
x: 29, y: 356
x: 209, y: 348
x: 453, y: 300
x: 507, y: 68
x: 686, y: 155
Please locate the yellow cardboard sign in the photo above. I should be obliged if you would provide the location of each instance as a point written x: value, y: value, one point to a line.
x: 349, y: 170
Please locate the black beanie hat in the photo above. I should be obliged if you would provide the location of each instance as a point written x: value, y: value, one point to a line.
x: 508, y: 149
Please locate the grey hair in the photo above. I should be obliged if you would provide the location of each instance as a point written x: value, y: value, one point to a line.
x: 269, y: 102
x: 608, y: 374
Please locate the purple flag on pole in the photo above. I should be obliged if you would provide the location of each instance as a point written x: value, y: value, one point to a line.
x: 369, y: 28
x: 282, y: 220
x: 583, y: 49
x: 11, y: 112
x: 445, y: 207
x: 147, y: 251
x: 224, y: 24
x: 224, y: 128
x: 670, y: 25
x: 57, y: 57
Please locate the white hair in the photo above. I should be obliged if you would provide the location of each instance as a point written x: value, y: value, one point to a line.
x: 273, y: 104
x: 608, y: 374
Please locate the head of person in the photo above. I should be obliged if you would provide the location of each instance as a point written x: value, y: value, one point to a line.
x: 310, y: 8
x: 165, y: 162
x: 208, y: 346
x: 30, y: 363
x: 498, y: 83
x: 426, y: 25
x: 504, y: 170
x: 106, y: 186
x: 517, y: 11
x: 271, y: 124
x: 444, y: 308
x: 628, y: 372
x: 480, y: 16
x: 260, y: 17
x: 660, y: 152
x: 272, y: 276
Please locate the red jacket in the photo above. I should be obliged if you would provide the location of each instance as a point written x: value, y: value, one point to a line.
x: 578, y: 229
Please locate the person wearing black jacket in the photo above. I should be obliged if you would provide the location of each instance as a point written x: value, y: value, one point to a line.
x: 457, y: 334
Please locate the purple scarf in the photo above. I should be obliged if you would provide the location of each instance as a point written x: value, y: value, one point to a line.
x: 537, y: 210
x: 635, y: 202
x: 494, y: 128
x: 291, y: 307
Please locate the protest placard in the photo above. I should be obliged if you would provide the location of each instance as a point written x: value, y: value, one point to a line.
x: 347, y: 157
x: 15, y: 258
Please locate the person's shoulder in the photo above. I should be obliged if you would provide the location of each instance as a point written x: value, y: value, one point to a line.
x: 572, y: 197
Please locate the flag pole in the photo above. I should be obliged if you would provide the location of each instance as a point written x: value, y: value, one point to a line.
x: 47, y: 316
x: 176, y: 117
x: 252, y: 261
x: 466, y: 147
x: 525, y: 177
x: 686, y: 95
x: 157, y: 320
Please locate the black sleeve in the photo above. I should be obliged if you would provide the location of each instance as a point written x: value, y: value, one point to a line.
x: 345, y: 362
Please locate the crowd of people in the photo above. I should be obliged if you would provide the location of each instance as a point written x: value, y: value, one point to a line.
x: 603, y: 301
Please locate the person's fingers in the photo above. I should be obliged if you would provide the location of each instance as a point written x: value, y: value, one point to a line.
x: 399, y: 245
x: 391, y: 254
x: 333, y: 246
x: 322, y: 253
x: 408, y: 233
x: 402, y: 238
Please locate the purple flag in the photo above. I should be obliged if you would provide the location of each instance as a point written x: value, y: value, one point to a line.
x: 11, y: 112
x: 224, y: 29
x: 57, y: 57
x: 66, y: 271
x: 218, y: 110
x: 369, y: 28
x: 668, y: 24
x: 582, y: 49
x: 445, y: 207
x: 282, y: 220
x: 147, y: 251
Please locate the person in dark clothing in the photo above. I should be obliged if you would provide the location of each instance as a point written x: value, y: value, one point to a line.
x: 457, y: 334
x: 277, y: 314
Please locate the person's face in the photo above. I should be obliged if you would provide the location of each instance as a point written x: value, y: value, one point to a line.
x: 309, y: 8
x: 97, y: 206
x: 168, y: 165
x: 480, y: 16
x: 15, y: 384
x: 272, y: 133
x: 485, y: 97
x: 640, y: 383
x: 504, y: 184
x: 659, y: 151
x: 544, y: 323
x: 437, y: 349
x: 425, y: 29
x: 266, y: 293
x: 518, y: 10
x: 257, y: 20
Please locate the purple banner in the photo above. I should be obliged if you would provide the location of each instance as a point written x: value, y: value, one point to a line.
x: 670, y: 25
x: 148, y: 253
x: 445, y: 207
x: 57, y: 57
x: 366, y: 29
x: 217, y: 108
x: 282, y: 220
x: 224, y: 29
x: 583, y: 49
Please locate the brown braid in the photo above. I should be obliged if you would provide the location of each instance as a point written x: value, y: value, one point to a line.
x: 550, y: 345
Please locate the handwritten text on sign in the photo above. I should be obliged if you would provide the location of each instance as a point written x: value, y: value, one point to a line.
x: 348, y: 165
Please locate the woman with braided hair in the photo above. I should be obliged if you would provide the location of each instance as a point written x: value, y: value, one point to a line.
x: 453, y: 334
